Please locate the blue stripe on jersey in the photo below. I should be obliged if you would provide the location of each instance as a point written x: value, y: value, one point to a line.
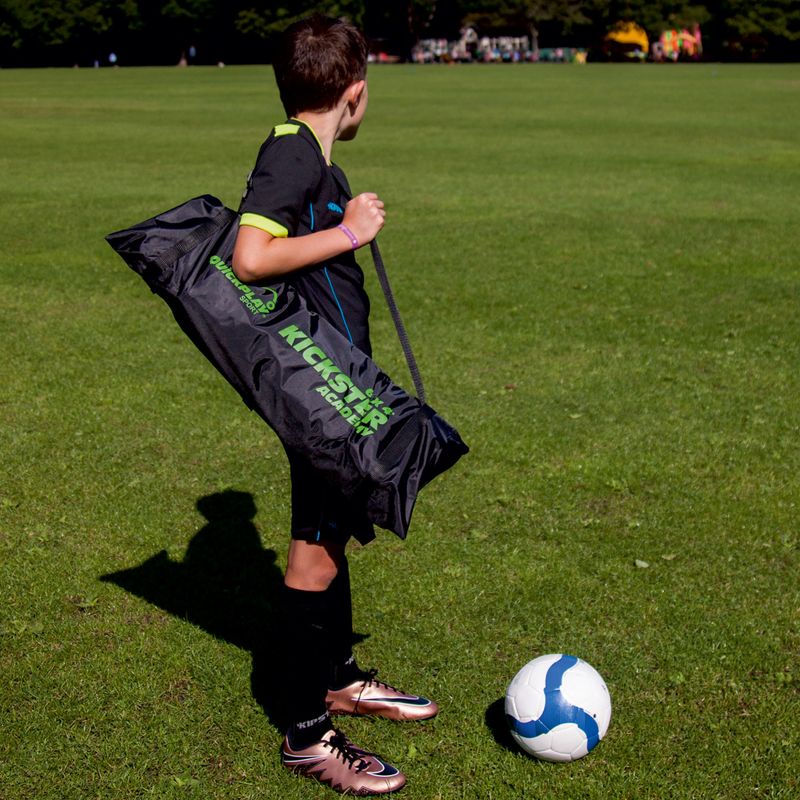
x: 341, y: 310
x: 330, y: 283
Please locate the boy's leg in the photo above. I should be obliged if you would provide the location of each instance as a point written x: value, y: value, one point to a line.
x: 318, y: 613
x: 344, y: 669
x: 312, y: 568
x: 322, y: 524
x: 312, y: 746
x: 352, y: 690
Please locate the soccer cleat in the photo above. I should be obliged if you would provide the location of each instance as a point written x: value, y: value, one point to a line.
x: 372, y: 697
x: 336, y: 762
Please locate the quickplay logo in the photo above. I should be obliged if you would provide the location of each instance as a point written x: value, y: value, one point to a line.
x: 365, y: 412
x: 257, y: 305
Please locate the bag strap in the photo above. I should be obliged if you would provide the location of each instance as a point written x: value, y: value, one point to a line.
x: 383, y: 279
x: 197, y: 236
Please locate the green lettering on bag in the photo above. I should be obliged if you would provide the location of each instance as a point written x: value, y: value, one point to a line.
x: 292, y: 334
x: 309, y: 354
x: 257, y: 305
x: 357, y: 406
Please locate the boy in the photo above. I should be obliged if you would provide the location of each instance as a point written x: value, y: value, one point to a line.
x: 299, y: 225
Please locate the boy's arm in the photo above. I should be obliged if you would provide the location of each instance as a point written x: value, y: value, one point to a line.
x: 258, y: 255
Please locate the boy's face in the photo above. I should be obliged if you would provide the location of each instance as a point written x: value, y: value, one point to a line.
x: 356, y: 108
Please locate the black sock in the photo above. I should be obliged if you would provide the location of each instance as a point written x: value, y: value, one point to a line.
x: 304, y: 733
x: 344, y: 674
x: 344, y: 669
x: 307, y: 647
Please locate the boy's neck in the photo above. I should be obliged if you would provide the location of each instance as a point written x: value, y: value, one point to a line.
x: 326, y: 126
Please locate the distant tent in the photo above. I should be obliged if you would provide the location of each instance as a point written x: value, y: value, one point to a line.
x: 627, y: 38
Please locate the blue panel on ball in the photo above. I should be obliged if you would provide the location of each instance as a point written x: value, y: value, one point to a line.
x: 557, y: 710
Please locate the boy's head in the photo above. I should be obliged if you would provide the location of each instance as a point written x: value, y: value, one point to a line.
x: 316, y: 61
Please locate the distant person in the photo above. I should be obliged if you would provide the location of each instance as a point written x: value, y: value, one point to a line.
x: 299, y: 224
x: 112, y: 58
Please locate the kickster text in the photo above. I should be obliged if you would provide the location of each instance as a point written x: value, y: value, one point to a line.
x: 365, y: 412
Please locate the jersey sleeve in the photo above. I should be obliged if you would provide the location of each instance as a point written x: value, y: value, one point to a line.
x: 283, y: 179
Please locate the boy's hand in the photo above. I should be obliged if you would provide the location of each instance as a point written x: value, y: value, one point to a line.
x: 365, y: 215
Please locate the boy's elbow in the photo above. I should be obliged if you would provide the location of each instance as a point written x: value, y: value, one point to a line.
x: 243, y: 268
x: 248, y: 265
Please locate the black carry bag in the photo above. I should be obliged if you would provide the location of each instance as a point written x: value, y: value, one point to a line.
x: 325, y: 399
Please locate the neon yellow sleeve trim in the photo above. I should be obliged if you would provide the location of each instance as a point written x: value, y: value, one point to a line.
x: 265, y: 224
x: 286, y: 128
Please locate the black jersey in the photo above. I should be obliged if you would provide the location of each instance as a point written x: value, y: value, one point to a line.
x: 294, y: 191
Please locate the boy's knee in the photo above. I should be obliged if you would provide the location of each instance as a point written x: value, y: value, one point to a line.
x: 312, y: 567
x: 320, y: 576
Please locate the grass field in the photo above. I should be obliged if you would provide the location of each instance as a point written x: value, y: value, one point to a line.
x: 599, y: 271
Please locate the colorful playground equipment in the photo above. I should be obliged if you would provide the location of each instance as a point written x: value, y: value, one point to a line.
x: 677, y: 44
x: 627, y: 39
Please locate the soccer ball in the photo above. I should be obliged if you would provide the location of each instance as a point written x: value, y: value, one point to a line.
x: 558, y: 707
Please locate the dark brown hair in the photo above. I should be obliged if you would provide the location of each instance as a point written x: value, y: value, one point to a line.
x: 316, y: 60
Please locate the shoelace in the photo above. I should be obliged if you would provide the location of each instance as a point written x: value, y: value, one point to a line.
x: 369, y: 677
x: 341, y: 745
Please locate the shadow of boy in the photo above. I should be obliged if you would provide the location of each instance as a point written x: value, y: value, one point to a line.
x: 227, y: 584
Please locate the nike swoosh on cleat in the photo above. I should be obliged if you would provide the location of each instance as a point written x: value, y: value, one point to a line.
x: 387, y: 770
x: 409, y: 701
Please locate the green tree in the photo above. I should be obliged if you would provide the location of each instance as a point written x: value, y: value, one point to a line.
x: 773, y: 21
x: 654, y: 17
x: 66, y: 27
x: 263, y: 19
x: 183, y: 22
x: 157, y: 31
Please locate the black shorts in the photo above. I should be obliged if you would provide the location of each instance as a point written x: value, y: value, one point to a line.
x: 319, y: 513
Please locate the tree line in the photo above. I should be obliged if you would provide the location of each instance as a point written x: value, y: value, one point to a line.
x: 127, y: 32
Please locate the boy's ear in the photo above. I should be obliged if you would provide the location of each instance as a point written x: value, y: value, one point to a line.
x: 354, y: 93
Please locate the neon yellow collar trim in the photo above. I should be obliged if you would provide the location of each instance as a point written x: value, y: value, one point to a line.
x: 316, y: 138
